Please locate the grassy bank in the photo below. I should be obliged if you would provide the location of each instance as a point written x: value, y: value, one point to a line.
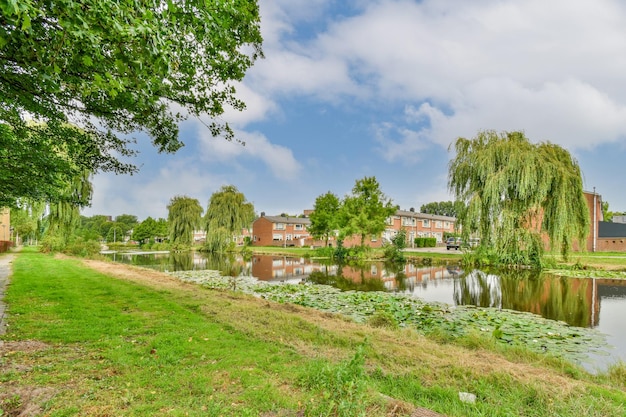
x: 136, y: 342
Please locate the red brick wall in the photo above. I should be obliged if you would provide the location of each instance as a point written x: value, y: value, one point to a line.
x: 262, y: 230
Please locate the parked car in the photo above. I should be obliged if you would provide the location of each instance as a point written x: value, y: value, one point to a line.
x: 453, y: 243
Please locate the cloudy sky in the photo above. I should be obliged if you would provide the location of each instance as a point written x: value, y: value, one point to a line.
x: 355, y: 88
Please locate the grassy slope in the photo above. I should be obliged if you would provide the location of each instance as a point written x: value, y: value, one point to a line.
x: 142, y: 344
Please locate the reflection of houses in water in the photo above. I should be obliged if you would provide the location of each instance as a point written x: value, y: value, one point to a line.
x: 283, y: 268
x: 604, y: 288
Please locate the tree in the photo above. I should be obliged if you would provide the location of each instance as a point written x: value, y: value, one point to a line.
x: 25, y: 221
x: 324, y: 219
x: 227, y: 214
x: 513, y: 190
x: 145, y: 231
x: 442, y: 208
x: 365, y: 212
x: 128, y: 220
x: 114, y: 69
x: 184, y: 216
x: 64, y: 216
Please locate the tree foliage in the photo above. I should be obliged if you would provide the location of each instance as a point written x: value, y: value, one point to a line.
x: 149, y: 229
x: 64, y: 216
x: 227, y: 214
x: 513, y: 190
x: 36, y: 165
x: 324, y: 219
x: 365, y: 211
x: 26, y: 221
x: 114, y: 68
x: 184, y: 216
x: 442, y: 208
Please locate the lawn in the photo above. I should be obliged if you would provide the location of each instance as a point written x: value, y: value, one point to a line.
x: 101, y: 339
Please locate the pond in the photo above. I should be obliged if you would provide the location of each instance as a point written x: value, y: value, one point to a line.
x: 582, y: 302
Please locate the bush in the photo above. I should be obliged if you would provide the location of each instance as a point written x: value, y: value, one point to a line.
x: 84, y: 248
x: 383, y: 319
x: 425, y: 242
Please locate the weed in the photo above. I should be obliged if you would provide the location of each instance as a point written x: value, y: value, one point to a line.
x: 340, y: 388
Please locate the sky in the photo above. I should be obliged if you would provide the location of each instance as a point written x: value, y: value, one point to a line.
x: 356, y: 88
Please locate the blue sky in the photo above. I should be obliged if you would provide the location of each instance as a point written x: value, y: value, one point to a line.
x: 354, y: 88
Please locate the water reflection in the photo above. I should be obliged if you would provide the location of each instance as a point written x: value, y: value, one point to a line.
x: 576, y: 301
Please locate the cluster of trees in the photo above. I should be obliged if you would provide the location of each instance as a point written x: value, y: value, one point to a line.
x: 77, y: 78
x: 228, y: 212
x: 363, y: 212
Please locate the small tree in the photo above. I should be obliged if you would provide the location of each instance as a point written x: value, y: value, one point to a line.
x: 324, y: 219
x: 365, y: 212
x: 184, y: 216
x: 227, y: 214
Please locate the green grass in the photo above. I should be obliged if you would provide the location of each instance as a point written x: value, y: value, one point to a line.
x: 117, y: 347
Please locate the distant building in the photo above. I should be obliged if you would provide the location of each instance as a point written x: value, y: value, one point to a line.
x: 293, y: 231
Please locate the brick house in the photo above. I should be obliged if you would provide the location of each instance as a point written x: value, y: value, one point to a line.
x: 419, y: 225
x: 281, y: 231
x: 293, y: 231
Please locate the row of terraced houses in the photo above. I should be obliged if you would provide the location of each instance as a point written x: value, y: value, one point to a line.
x: 293, y: 231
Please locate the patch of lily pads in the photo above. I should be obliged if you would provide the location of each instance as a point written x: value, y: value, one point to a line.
x: 505, y: 326
x: 584, y: 273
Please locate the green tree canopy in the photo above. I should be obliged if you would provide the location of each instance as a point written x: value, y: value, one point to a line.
x: 114, y: 68
x: 227, y: 214
x: 325, y: 216
x: 146, y: 230
x: 365, y: 212
x: 509, y: 185
x: 128, y: 220
x: 442, y: 208
x: 184, y: 216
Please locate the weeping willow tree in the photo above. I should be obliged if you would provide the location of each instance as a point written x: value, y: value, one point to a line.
x: 227, y: 214
x: 184, y: 216
x: 514, y: 191
x: 64, y: 214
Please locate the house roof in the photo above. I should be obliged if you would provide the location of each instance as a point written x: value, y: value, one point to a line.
x: 427, y: 216
x: 287, y: 220
x: 609, y: 229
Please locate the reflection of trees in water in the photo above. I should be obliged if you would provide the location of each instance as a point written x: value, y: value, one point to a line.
x: 478, y: 288
x: 345, y: 284
x: 556, y: 298
x: 396, y: 270
x: 181, y: 261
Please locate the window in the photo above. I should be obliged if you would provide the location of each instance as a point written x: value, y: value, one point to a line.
x: 446, y: 225
x: 254, y: 239
x: 426, y: 223
x: 390, y: 221
x: 277, y: 236
x: 299, y: 227
x: 408, y: 221
x: 438, y: 224
x: 289, y: 237
x: 279, y: 226
x: 374, y: 238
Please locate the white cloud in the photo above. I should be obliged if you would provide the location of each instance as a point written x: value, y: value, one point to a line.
x: 550, y: 69
x: 149, y: 196
x: 278, y: 159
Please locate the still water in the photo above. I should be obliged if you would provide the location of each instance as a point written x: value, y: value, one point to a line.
x: 582, y: 302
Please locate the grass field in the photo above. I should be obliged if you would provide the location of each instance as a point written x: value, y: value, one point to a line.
x: 100, y: 339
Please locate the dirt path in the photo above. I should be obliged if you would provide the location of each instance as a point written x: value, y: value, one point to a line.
x: 6, y: 261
